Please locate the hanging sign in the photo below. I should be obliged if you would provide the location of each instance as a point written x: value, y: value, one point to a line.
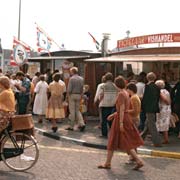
x: 154, y: 38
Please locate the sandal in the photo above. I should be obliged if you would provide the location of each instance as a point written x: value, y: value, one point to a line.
x: 138, y: 166
x: 105, y: 166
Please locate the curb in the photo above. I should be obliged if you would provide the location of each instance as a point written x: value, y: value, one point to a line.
x: 141, y: 151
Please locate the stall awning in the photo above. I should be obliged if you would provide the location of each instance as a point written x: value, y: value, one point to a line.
x: 57, y: 57
x: 138, y: 58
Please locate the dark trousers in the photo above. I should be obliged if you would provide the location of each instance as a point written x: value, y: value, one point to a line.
x: 106, y: 111
x: 142, y: 120
x: 150, y: 126
x: 22, y: 103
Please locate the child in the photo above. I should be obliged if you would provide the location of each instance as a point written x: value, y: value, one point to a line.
x: 85, y: 102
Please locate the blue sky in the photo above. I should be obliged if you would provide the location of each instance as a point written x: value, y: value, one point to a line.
x: 69, y: 21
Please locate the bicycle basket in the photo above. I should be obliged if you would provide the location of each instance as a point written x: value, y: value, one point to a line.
x: 22, y: 122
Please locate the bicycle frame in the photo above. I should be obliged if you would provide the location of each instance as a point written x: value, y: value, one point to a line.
x: 12, y: 152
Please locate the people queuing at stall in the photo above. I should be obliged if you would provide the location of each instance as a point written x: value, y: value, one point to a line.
x: 152, y: 101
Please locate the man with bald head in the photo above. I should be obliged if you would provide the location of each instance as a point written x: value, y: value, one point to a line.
x: 75, y: 92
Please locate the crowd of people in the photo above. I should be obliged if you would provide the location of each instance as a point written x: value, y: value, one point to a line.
x: 47, y: 96
x: 129, y: 108
x: 136, y: 107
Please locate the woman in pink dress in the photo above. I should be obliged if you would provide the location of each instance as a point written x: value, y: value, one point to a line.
x: 123, y: 134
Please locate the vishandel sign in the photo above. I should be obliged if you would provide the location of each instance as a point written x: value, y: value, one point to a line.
x: 153, y: 38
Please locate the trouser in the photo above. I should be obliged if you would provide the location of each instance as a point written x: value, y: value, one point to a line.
x: 106, y: 111
x: 22, y: 103
x: 150, y: 126
x: 100, y: 114
x: 75, y: 114
x: 142, y: 120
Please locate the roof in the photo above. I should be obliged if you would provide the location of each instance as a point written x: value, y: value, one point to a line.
x: 138, y: 58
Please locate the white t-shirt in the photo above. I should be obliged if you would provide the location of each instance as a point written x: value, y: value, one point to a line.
x: 140, y: 89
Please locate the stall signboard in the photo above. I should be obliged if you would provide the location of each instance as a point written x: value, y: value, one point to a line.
x: 148, y: 39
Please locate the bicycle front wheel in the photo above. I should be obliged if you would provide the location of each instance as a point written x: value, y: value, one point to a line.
x: 19, y: 151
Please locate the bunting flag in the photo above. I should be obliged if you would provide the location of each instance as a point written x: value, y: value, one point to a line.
x: 20, y: 52
x: 44, y: 42
x: 95, y: 41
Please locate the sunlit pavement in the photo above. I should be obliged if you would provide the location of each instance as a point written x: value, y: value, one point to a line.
x: 67, y: 161
x: 90, y: 138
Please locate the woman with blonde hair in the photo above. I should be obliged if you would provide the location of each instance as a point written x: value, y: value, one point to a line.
x: 7, y: 102
x: 164, y: 115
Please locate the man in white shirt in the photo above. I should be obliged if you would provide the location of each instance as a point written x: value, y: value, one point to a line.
x: 97, y: 99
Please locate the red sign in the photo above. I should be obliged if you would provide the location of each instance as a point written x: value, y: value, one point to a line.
x: 154, y: 38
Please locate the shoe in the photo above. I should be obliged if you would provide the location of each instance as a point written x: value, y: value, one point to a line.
x: 54, y: 129
x: 105, y: 166
x: 157, y: 145
x: 69, y: 129
x: 40, y: 121
x: 82, y: 128
x: 101, y: 136
x: 165, y: 142
x: 138, y: 166
x: 99, y: 127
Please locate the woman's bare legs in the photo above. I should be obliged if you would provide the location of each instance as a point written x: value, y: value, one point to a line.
x: 166, y: 139
x: 179, y: 135
x: 54, y: 125
x: 134, y: 155
x: 40, y: 118
x: 107, y: 164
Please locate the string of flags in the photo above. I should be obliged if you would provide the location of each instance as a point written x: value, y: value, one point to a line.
x: 21, y: 51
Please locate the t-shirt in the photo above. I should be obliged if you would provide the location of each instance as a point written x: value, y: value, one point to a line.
x: 136, y: 106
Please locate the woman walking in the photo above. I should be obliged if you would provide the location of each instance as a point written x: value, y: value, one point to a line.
x: 123, y: 134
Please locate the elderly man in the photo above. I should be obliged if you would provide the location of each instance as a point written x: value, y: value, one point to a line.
x: 150, y: 104
x: 75, y: 92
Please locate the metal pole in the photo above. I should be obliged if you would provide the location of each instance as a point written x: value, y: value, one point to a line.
x: 19, y: 23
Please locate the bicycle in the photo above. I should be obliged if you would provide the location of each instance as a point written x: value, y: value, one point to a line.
x: 18, y: 150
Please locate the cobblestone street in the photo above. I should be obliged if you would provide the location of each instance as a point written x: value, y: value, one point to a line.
x: 66, y: 161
